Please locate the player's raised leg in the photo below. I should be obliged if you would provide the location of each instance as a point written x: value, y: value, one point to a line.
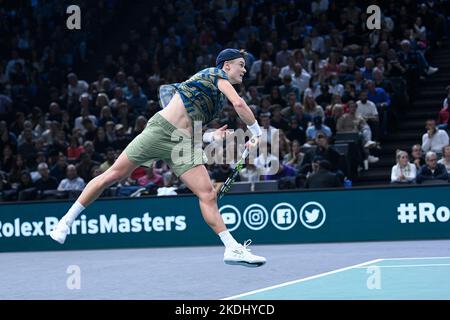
x: 120, y: 170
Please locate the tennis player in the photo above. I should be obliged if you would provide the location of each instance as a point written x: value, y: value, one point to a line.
x: 199, y: 98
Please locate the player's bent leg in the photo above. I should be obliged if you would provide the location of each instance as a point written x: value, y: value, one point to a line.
x: 120, y: 170
x: 198, y: 181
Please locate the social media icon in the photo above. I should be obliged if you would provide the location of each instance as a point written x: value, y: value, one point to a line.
x: 231, y: 216
x: 312, y: 215
x: 255, y: 217
x: 283, y: 216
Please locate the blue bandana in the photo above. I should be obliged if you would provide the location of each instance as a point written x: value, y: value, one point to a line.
x: 227, y: 55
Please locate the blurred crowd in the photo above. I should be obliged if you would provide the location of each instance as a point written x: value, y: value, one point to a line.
x: 315, y: 74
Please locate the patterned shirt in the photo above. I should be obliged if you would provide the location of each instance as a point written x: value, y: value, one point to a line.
x: 201, y: 96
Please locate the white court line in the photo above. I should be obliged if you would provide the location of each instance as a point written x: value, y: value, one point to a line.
x: 407, y: 265
x: 301, y: 280
x: 420, y: 258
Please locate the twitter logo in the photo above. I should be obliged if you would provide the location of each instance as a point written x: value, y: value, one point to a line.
x: 312, y: 215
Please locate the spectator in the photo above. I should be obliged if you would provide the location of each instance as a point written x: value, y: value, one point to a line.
x: 257, y: 65
x: 382, y: 102
x: 110, y: 133
x: 101, y: 101
x: 434, y: 139
x: 295, y: 157
x: 5, y: 106
x: 367, y: 70
x: 151, y: 177
x: 315, y: 128
x: 288, y: 87
x: 300, y: 78
x: 74, y: 149
x: 46, y: 182
x: 283, y: 171
x: 446, y: 158
x: 49, y: 136
x: 444, y: 113
x: 277, y: 120
x: 432, y: 170
x: 273, y: 80
x: 368, y: 111
x: 268, y: 131
x: 288, y: 69
x: 221, y: 172
x: 296, y: 131
x: 337, y: 111
x: 335, y: 87
x: 283, y: 54
x: 249, y: 173
x: 252, y: 96
x: 266, y: 163
x: 7, y: 138
x: 322, y: 177
x: 284, y: 145
x: 7, y: 161
x: 417, y: 156
x: 110, y: 158
x: 28, y: 149
x: 137, y: 100
x: 122, y: 138
x: 26, y: 188
x: 76, y: 87
x: 276, y: 98
x: 403, y: 171
x: 323, y: 150
x: 105, y: 116
x: 90, y: 130
x: 92, y: 152
x: 323, y: 94
x: 310, y: 107
x: 72, y: 182
x: 79, y: 120
x: 415, y: 59
x: 84, y: 167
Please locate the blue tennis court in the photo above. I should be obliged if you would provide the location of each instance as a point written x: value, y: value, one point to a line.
x: 356, y: 270
x: 392, y: 278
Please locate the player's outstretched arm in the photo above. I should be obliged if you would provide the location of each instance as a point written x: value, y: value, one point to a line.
x: 241, y: 107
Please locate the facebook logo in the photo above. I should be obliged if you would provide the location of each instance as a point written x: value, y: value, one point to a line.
x: 284, y: 216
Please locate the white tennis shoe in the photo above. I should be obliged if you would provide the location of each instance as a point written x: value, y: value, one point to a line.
x: 240, y: 255
x: 59, y: 233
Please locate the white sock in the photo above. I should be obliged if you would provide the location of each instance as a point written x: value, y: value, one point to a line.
x: 73, y: 213
x: 228, y: 239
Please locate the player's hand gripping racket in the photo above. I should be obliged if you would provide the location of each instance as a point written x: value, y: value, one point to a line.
x: 230, y: 180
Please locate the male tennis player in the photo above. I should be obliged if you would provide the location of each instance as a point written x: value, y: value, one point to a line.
x: 199, y: 98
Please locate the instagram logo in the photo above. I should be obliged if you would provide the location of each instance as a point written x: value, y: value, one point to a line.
x: 256, y: 217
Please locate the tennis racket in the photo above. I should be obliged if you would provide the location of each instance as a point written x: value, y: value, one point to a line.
x: 230, y: 180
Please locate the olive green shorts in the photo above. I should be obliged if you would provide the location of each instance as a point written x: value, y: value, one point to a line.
x: 160, y: 140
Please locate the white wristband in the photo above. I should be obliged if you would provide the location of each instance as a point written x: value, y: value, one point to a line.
x: 255, y: 129
x: 208, y: 137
